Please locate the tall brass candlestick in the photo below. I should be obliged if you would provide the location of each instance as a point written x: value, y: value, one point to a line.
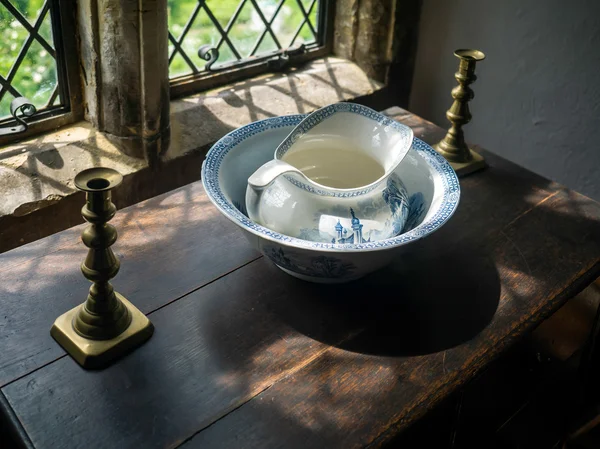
x: 106, y: 325
x: 453, y: 147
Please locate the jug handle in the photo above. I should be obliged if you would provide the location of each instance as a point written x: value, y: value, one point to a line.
x: 267, y: 173
x: 260, y: 180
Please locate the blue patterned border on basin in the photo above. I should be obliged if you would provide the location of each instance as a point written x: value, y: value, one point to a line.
x: 210, y: 181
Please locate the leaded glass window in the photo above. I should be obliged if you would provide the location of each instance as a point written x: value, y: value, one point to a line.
x: 243, y: 32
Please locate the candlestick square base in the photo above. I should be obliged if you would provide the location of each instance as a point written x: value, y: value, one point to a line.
x: 464, y: 168
x: 94, y: 354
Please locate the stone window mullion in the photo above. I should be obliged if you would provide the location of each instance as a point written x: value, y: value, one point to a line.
x: 123, y: 45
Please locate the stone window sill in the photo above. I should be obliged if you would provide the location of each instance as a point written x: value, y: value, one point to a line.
x: 36, y: 176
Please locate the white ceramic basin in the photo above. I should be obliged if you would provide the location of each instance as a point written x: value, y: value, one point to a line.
x: 431, y: 183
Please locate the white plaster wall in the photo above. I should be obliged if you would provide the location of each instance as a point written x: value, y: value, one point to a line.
x: 537, y: 99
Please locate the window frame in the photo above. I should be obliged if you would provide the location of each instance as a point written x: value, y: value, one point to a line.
x: 199, y: 82
x: 63, y: 19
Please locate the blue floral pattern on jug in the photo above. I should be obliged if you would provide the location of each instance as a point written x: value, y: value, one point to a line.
x: 353, y: 231
x: 339, y: 233
x: 318, y: 267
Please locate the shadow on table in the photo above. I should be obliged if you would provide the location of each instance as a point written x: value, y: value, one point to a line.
x: 422, y: 304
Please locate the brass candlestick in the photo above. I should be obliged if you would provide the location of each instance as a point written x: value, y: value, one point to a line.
x: 106, y: 325
x: 453, y: 146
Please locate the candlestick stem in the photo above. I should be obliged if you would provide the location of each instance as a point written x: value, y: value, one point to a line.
x: 453, y: 146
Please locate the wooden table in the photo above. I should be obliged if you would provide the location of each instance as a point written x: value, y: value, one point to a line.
x: 245, y: 356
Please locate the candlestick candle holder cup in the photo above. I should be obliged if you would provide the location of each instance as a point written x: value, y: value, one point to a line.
x: 453, y: 147
x: 107, y: 325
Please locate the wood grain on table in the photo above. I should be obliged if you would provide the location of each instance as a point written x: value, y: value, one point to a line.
x: 246, y: 356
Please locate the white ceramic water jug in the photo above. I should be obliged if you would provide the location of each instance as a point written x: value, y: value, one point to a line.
x: 332, y: 179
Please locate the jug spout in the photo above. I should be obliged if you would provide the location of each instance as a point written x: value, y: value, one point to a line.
x: 260, y: 180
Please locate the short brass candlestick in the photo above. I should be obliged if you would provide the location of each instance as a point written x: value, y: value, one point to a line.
x: 106, y: 325
x: 453, y: 146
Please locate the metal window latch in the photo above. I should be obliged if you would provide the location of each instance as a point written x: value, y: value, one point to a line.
x: 210, y: 54
x: 25, y: 108
x: 281, y: 60
x: 275, y: 61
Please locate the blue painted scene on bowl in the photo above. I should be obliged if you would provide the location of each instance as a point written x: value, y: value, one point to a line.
x: 431, y: 185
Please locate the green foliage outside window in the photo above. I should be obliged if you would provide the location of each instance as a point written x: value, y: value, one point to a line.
x: 244, y: 33
x: 36, y: 76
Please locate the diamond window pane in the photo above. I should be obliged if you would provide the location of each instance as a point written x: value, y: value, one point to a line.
x: 223, y: 10
x: 13, y: 34
x: 46, y: 30
x: 27, y: 56
x: 267, y: 45
x: 268, y: 7
x: 287, y: 22
x: 246, y: 30
x: 36, y: 75
x: 178, y: 66
x: 239, y: 29
x: 29, y: 9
